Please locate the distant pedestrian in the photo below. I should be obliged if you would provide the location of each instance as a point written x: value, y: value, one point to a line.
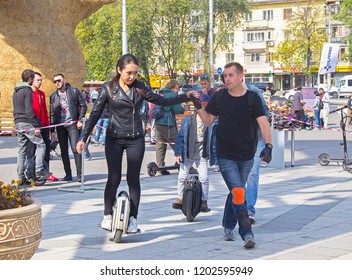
x: 325, y: 111
x: 165, y: 127
x: 298, y: 106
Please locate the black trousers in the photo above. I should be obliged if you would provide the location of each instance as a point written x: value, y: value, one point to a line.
x: 300, y: 116
x: 64, y: 135
x: 114, y: 149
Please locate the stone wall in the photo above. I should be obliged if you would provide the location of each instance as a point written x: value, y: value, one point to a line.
x: 39, y: 34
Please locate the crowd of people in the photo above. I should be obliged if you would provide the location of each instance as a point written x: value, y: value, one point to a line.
x: 229, y: 129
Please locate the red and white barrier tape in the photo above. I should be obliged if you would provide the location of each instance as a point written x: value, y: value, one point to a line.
x: 32, y: 129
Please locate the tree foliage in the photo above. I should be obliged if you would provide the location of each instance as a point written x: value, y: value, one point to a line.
x: 170, y: 34
x: 345, y: 16
x: 306, y: 35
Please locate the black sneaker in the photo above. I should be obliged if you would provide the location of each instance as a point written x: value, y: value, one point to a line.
x: 79, y: 179
x: 164, y: 172
x: 66, y: 178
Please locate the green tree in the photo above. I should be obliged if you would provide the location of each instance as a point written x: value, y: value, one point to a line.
x: 305, y: 36
x: 228, y: 16
x: 345, y: 16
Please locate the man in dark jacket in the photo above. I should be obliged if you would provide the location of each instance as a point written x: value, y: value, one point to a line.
x: 27, y: 127
x: 67, y: 110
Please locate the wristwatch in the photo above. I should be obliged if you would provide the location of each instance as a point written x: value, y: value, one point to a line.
x: 268, y: 145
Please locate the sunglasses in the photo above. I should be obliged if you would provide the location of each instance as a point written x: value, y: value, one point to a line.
x: 204, y: 77
x: 57, y: 81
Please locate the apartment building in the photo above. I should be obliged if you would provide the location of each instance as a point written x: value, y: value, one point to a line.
x: 254, y: 43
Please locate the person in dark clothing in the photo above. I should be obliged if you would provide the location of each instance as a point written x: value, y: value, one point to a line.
x: 298, y: 106
x: 124, y: 95
x: 28, y: 128
x: 67, y: 109
x: 236, y: 141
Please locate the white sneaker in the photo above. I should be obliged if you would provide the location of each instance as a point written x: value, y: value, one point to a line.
x: 132, y: 226
x: 106, y: 223
x: 216, y: 168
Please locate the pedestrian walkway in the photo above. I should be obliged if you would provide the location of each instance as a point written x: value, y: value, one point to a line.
x: 303, y: 212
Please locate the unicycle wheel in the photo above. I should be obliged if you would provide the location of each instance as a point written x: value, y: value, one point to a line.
x: 39, y: 182
x: 118, y: 235
x: 189, y: 214
x: 152, y: 169
x: 324, y: 159
x: 347, y: 166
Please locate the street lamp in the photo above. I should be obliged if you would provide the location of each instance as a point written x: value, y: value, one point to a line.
x: 124, y: 28
x: 329, y: 6
x: 211, y: 42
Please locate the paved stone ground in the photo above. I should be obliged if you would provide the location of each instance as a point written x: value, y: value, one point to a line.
x: 303, y: 212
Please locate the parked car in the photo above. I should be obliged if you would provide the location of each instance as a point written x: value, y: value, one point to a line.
x: 308, y: 95
x: 264, y: 85
x: 191, y: 86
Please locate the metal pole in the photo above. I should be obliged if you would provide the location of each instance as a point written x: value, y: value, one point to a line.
x: 124, y: 28
x: 82, y: 188
x: 329, y: 41
x: 211, y: 42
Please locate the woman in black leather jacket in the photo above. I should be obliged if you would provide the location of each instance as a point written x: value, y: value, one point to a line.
x: 124, y: 95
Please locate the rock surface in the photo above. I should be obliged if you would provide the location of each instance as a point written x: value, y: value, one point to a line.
x: 39, y: 35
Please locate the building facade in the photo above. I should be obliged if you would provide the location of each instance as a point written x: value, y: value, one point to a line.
x: 255, y: 42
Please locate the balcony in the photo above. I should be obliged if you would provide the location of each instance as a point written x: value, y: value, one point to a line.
x: 254, y: 45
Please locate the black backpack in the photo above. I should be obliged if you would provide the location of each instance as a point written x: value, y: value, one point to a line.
x: 192, y: 198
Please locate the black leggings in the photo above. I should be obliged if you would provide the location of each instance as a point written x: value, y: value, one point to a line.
x: 114, y: 148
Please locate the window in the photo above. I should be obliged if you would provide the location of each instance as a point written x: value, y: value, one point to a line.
x: 230, y: 57
x: 287, y: 13
x: 231, y: 38
x: 256, y: 36
x: 255, y: 57
x: 269, y: 57
x: 268, y: 15
x: 248, y: 16
x: 269, y: 35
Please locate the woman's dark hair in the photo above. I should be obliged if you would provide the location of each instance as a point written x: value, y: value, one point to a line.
x: 121, y: 63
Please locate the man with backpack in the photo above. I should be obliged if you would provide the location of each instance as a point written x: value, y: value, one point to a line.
x: 240, y: 112
x: 165, y: 126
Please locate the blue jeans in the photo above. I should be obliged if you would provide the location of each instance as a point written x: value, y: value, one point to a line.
x: 25, y: 136
x: 317, y: 117
x: 235, y: 174
x: 253, y: 177
x: 102, y: 124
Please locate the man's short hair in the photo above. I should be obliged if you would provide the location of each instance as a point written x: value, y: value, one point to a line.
x: 59, y: 74
x: 37, y: 73
x: 26, y: 74
x: 238, y: 67
x: 299, y: 88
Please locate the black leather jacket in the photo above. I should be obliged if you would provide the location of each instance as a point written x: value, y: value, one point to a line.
x: 124, y: 117
x: 77, y: 105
